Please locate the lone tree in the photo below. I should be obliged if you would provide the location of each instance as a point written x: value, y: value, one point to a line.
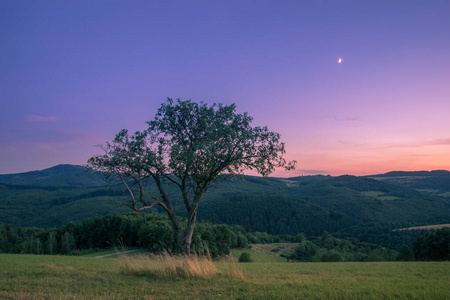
x: 190, y: 146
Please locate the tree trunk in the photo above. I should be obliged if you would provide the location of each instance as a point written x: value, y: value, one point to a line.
x: 187, y: 234
x: 186, y: 239
x: 186, y: 246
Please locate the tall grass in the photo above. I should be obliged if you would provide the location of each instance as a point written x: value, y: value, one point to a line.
x: 230, y: 269
x: 165, y: 265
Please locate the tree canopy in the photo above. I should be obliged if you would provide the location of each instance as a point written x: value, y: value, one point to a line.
x: 189, y: 145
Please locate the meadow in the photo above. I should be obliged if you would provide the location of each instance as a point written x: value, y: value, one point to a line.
x: 70, y: 277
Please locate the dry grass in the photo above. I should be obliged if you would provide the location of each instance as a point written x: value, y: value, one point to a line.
x: 230, y: 269
x: 165, y: 265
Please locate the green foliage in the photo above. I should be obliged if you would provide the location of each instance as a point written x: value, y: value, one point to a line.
x: 67, y: 243
x: 309, y: 205
x: 242, y: 241
x: 405, y: 254
x: 245, y: 257
x: 331, y: 256
x: 384, y: 234
x: 434, y: 245
x: 150, y: 231
x: 157, y: 236
x: 330, y: 249
x: 305, y: 251
x: 433, y: 182
x: 190, y: 146
x: 271, y: 212
x: 154, y: 233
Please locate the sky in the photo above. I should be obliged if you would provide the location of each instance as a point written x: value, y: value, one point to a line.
x: 74, y: 73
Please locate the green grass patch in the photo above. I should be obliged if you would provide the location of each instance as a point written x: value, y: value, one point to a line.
x: 430, y: 191
x: 65, y: 277
x: 379, y: 195
x: 101, y: 252
x: 446, y: 195
x: 258, y: 257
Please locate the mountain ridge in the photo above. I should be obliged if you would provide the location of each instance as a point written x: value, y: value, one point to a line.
x: 43, y: 177
x: 60, y: 175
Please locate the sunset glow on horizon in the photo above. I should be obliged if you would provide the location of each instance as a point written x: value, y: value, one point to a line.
x: 355, y: 87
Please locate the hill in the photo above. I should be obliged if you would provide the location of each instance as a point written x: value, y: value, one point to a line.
x: 60, y: 176
x: 313, y: 204
x: 432, y: 182
x: 309, y: 204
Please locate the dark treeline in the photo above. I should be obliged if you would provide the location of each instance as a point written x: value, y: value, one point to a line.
x: 150, y: 231
x: 431, y: 245
x: 154, y: 233
x: 384, y: 234
x: 330, y: 249
x: 435, y: 245
x: 93, y: 194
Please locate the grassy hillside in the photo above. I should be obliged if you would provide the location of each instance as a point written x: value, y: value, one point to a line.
x: 433, y: 182
x: 63, y: 277
x: 273, y: 213
x: 370, y: 200
x: 313, y: 204
x: 54, y: 206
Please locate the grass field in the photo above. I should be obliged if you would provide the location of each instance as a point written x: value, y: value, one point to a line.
x: 69, y: 277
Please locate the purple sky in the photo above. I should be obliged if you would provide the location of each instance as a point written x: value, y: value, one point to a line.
x: 74, y: 73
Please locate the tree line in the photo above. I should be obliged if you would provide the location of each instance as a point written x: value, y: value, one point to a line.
x: 150, y: 231
x: 331, y: 249
x: 153, y: 233
x: 384, y: 234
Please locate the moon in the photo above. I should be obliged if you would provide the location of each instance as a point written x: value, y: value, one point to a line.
x: 339, y: 60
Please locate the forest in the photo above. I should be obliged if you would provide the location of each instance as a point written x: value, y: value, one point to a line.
x: 66, y: 210
x: 153, y: 233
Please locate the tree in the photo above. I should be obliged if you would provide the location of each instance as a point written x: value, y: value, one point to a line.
x: 405, y: 254
x: 67, y: 242
x: 189, y: 146
x: 245, y: 257
x: 434, y: 245
x: 51, y: 243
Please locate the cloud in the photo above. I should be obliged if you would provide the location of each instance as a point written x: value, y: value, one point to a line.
x: 419, y: 144
x: 344, y: 142
x: 36, y: 118
x: 352, y: 119
x: 347, y: 119
x: 439, y: 142
x: 353, y: 144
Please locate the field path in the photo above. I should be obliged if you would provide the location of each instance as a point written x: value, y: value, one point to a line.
x: 424, y: 227
x: 117, y: 253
